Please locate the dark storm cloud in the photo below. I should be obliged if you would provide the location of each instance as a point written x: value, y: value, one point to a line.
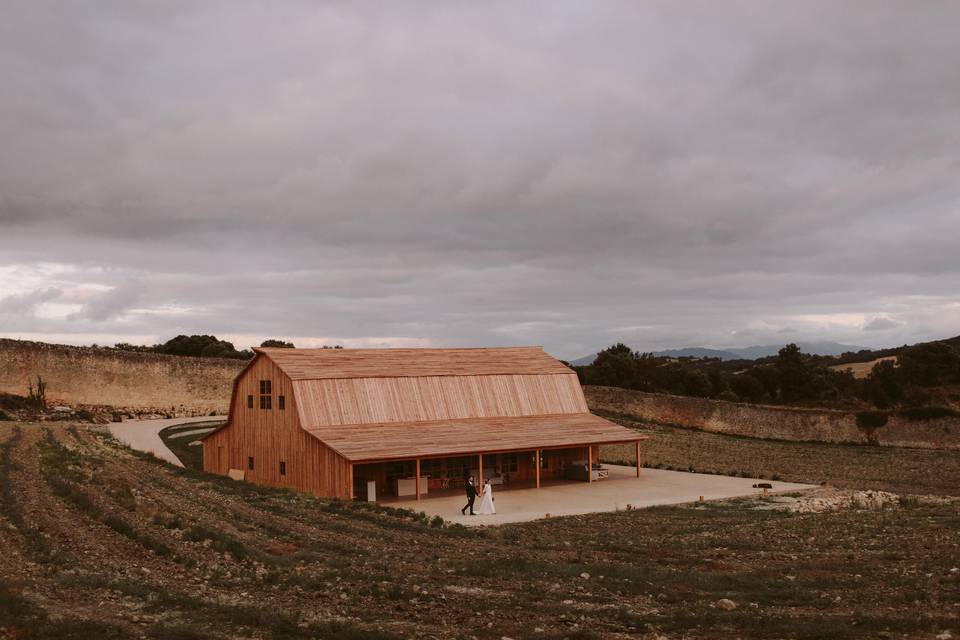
x: 662, y: 173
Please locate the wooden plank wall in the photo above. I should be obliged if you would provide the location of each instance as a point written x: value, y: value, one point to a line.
x: 272, y: 435
x: 378, y: 400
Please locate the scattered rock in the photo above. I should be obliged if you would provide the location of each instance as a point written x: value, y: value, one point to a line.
x: 585, y: 575
x: 726, y: 604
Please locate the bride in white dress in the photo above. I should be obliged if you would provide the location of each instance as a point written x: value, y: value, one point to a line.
x: 486, y: 501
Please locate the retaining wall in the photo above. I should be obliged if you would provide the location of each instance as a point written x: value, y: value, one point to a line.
x: 776, y: 423
x: 138, y: 382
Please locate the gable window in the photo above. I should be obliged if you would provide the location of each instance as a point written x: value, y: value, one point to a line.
x: 283, y: 468
x: 249, y: 402
x: 266, y: 399
x: 250, y: 463
x: 281, y: 402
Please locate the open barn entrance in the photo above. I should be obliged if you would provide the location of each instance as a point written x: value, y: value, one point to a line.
x: 397, y: 480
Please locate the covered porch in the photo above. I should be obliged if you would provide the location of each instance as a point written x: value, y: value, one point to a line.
x: 440, y: 476
x: 399, y: 460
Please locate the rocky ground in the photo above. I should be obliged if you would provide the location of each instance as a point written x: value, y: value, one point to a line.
x: 99, y: 542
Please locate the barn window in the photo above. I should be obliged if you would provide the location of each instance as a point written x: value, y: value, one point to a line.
x: 266, y: 399
x: 508, y: 463
x: 281, y: 402
x: 250, y: 463
x: 249, y: 402
x: 283, y: 468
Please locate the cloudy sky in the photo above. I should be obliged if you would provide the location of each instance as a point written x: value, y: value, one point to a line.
x: 560, y: 173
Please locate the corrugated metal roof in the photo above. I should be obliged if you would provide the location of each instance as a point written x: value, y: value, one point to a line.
x: 317, y: 364
x: 405, y: 440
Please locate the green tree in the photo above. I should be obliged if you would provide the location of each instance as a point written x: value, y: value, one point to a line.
x: 930, y: 364
x: 696, y: 383
x: 277, y: 344
x: 613, y: 367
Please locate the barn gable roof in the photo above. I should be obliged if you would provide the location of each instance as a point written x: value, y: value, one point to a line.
x: 320, y: 364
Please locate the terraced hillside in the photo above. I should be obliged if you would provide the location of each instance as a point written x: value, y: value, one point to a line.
x: 99, y: 542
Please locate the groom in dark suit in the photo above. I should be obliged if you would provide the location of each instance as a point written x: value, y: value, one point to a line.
x: 471, y: 495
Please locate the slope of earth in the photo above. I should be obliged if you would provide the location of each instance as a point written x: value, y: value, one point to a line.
x: 897, y: 469
x: 99, y: 542
x: 861, y: 370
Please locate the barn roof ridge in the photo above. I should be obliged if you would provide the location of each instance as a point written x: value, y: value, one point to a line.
x: 320, y: 363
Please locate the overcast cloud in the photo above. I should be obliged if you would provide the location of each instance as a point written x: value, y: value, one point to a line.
x: 567, y: 174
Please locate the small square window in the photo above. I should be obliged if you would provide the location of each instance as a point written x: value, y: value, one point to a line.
x: 266, y: 402
x: 281, y: 402
x: 283, y: 468
x: 249, y: 402
x: 250, y: 463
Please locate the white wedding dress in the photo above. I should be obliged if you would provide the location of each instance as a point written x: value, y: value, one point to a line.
x: 486, y: 501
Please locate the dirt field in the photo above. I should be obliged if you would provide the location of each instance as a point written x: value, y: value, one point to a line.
x: 98, y: 542
x: 861, y: 369
x: 905, y: 471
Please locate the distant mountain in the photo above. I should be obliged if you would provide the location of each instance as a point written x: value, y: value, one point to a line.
x: 743, y: 353
x: 698, y: 352
x: 826, y: 348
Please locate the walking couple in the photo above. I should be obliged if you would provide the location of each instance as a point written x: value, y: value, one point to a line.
x: 486, y: 498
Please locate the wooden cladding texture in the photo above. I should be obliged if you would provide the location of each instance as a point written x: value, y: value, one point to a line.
x: 271, y: 436
x: 315, y: 364
x: 405, y: 440
x: 379, y: 400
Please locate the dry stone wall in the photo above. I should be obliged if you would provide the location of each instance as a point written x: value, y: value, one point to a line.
x: 136, y: 383
x: 775, y: 423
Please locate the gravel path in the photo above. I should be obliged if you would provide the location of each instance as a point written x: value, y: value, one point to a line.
x: 144, y: 435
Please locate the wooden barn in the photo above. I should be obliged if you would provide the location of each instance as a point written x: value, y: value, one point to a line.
x: 381, y: 423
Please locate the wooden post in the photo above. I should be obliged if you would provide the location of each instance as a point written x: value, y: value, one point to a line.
x: 638, y: 458
x: 536, y: 463
x: 350, y: 479
x: 416, y: 482
x: 480, y: 472
x: 590, y: 463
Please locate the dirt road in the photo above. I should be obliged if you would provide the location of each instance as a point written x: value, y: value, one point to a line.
x: 144, y: 435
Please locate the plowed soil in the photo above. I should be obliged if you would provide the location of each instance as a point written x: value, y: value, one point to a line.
x: 97, y: 541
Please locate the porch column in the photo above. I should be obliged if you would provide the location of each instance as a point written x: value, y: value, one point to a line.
x: 416, y: 482
x: 536, y: 464
x: 350, y: 479
x: 480, y: 472
x: 638, y: 458
x: 590, y: 463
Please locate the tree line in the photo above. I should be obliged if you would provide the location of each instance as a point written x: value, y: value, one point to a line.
x: 204, y: 346
x: 919, y: 377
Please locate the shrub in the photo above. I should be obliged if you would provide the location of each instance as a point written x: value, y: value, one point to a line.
x: 872, y: 419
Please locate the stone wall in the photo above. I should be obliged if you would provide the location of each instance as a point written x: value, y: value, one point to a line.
x: 133, y: 382
x: 776, y: 423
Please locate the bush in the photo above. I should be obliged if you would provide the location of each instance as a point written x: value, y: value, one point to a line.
x: 927, y: 413
x: 872, y: 419
x: 729, y: 396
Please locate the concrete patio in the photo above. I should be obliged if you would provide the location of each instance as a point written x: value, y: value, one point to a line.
x: 653, y: 487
